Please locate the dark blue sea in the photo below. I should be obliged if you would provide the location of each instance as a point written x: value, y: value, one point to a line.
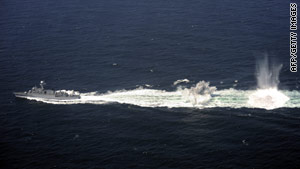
x: 125, y: 57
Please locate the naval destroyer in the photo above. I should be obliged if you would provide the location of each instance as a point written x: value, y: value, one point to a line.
x: 42, y: 93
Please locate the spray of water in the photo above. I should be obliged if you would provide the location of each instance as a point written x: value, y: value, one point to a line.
x: 267, y: 75
x: 198, y: 94
x: 267, y: 95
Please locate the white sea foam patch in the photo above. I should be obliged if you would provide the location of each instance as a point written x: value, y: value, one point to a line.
x: 199, y: 96
x: 268, y: 98
x: 181, y: 81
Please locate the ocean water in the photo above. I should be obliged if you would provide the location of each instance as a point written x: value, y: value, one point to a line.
x: 163, y: 84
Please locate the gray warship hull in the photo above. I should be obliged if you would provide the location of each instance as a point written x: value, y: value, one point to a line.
x: 43, y: 96
x: 41, y: 93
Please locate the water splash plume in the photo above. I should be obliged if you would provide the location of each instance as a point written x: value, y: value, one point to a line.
x: 198, y: 94
x: 267, y: 95
x: 267, y: 75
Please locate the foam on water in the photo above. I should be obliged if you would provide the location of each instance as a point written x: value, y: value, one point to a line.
x: 268, y: 98
x: 181, y: 81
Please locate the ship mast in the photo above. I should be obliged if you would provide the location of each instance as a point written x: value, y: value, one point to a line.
x: 42, y: 83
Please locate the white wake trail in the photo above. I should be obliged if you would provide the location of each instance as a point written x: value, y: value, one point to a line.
x: 198, y: 96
